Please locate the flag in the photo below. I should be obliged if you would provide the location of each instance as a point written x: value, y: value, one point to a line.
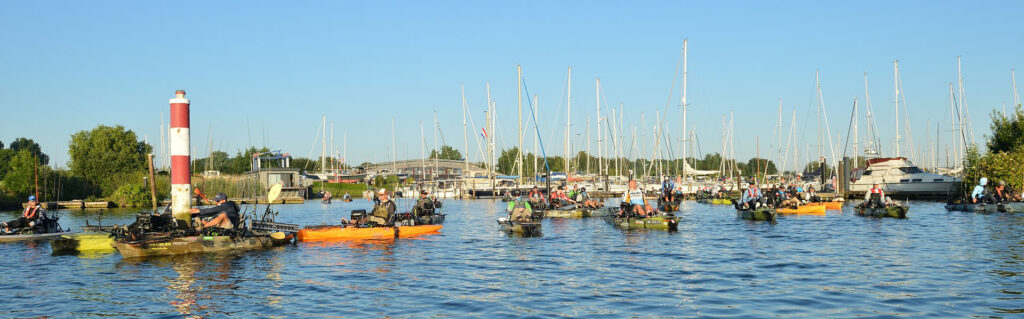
x: 483, y: 132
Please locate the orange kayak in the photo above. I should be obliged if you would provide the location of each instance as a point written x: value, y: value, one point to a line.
x: 828, y: 205
x: 316, y: 233
x: 803, y: 210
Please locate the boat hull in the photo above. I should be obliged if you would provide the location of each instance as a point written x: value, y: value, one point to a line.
x: 764, y: 214
x: 196, y: 244
x: 84, y: 242
x: 531, y: 228
x: 828, y: 205
x: 576, y: 213
x: 891, y: 211
x: 338, y: 232
x: 657, y: 223
x: 13, y: 238
x: 802, y: 210
x: 1015, y: 207
x: 721, y: 201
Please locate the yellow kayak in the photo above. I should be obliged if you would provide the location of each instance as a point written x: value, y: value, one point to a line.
x: 828, y: 205
x: 81, y: 243
x: 803, y: 210
x: 721, y: 201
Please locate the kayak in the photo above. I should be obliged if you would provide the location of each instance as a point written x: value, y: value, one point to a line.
x: 828, y: 205
x: 315, y: 233
x: 803, y: 210
x: 163, y: 244
x: 13, y: 238
x: 669, y: 222
x: 575, y: 213
x: 721, y: 201
x: 891, y: 211
x: 705, y: 201
x: 764, y: 213
x: 525, y: 228
x: 1014, y: 207
x: 83, y: 242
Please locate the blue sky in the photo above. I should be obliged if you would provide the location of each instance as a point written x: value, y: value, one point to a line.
x: 265, y: 72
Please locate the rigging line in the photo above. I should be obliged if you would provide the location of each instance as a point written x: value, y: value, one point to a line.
x: 536, y: 129
x: 312, y: 147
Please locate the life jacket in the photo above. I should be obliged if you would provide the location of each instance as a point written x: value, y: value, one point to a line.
x: 382, y: 210
x: 31, y: 212
x: 519, y: 203
x: 535, y: 193
x: 876, y: 190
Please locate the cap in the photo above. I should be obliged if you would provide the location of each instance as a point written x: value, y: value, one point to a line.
x: 32, y: 198
x: 423, y: 192
x: 220, y: 197
x: 1002, y: 183
x: 382, y: 191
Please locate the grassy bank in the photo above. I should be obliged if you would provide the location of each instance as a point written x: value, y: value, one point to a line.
x: 339, y: 189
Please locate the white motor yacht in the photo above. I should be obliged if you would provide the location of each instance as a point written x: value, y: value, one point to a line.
x: 897, y: 175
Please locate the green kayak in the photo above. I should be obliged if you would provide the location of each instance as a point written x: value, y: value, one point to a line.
x: 891, y: 211
x: 766, y: 214
x: 664, y: 222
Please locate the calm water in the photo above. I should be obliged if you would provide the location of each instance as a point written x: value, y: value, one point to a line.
x: 934, y: 264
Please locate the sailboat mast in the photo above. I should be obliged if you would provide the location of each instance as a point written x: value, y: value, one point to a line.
x: 536, y: 137
x: 423, y: 154
x: 568, y: 122
x: 600, y: 159
x: 437, y: 127
x: 323, y: 143
x: 465, y: 132
x: 896, y: 87
x: 394, y: 148
x: 589, y: 154
x: 683, y: 102
x: 1016, y: 96
x: 519, y: 155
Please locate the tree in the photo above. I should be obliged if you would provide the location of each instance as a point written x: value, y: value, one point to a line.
x: 447, y: 153
x: 1007, y: 131
x: 220, y: 160
x: 22, y: 143
x: 242, y: 161
x: 108, y: 156
x: 5, y: 161
x: 507, y: 161
x: 755, y: 165
x: 21, y: 177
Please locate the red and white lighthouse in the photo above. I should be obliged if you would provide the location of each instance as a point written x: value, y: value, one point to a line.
x: 181, y: 178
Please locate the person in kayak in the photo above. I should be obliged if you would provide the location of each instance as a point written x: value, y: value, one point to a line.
x: 752, y: 197
x: 559, y: 199
x: 999, y: 194
x: 384, y: 211
x: 347, y: 197
x: 666, y: 189
x: 979, y: 192
x: 874, y: 197
x: 812, y: 196
x: 327, y: 197
x: 519, y: 208
x: 424, y: 206
x: 225, y: 214
x: 588, y: 203
x: 635, y: 201
x: 27, y: 218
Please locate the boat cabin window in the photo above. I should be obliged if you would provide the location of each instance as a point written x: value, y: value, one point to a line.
x: 911, y: 170
x: 938, y: 180
x: 867, y: 172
